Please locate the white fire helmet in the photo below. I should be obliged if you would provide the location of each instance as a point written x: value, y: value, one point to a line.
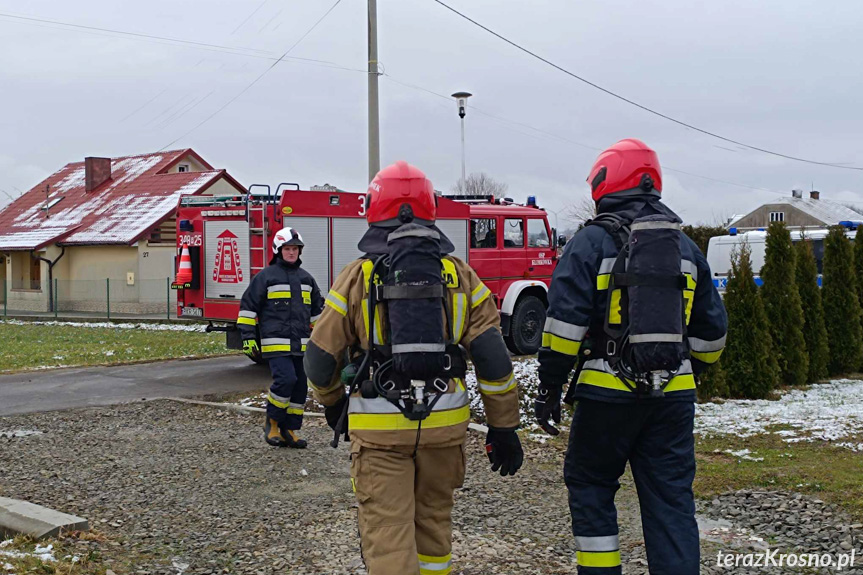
x: 287, y: 237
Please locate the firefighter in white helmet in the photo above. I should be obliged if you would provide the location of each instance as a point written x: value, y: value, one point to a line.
x: 282, y: 303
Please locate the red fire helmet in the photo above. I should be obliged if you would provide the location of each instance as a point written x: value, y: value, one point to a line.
x: 627, y: 165
x: 400, y: 192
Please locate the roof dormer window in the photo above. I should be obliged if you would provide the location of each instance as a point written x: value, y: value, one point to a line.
x: 183, y: 168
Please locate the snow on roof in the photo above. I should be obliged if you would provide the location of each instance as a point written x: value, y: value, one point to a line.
x: 827, y: 211
x: 137, y: 197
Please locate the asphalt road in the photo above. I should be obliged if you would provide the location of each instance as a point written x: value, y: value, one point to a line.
x: 59, y: 389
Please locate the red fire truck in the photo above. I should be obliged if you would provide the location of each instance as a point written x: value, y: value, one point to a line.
x: 511, y: 247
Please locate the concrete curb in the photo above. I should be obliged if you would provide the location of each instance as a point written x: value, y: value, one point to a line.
x: 20, y: 517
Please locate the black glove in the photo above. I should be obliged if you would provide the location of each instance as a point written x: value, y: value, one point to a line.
x: 504, y: 450
x: 334, y: 412
x: 547, y: 404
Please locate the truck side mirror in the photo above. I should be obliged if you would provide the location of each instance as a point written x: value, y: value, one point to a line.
x: 561, y: 240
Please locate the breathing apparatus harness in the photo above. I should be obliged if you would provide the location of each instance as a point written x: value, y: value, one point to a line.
x: 411, y: 371
x: 646, y: 347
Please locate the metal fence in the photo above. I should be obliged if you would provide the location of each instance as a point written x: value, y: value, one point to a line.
x: 105, y: 297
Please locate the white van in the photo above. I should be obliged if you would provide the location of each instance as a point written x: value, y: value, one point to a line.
x: 719, y: 250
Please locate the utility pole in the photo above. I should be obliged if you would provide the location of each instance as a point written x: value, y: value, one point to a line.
x: 374, y: 123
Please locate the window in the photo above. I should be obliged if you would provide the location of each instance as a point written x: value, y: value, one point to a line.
x: 777, y: 216
x: 513, y: 233
x: 483, y: 233
x: 183, y: 168
x: 537, y: 235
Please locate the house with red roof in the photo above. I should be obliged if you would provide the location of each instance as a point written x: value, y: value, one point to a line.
x: 101, y: 225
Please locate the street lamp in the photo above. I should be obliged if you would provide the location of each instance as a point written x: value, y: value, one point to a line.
x: 461, y: 100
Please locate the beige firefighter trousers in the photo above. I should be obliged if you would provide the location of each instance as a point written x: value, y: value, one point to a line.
x: 405, y: 507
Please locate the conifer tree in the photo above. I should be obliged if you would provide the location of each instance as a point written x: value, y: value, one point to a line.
x: 814, y: 331
x: 782, y: 306
x: 751, y: 369
x: 841, y: 306
x: 858, y: 269
x: 713, y: 382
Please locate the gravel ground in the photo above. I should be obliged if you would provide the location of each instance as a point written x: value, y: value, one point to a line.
x: 177, y: 488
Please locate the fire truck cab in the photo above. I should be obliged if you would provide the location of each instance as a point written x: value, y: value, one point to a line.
x: 229, y: 240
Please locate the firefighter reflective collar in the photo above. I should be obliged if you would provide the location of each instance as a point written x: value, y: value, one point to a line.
x: 374, y: 241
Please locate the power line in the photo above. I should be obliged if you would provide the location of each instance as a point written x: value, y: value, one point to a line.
x: 563, y: 138
x: 641, y: 106
x: 255, y: 11
x: 236, y: 50
x: 256, y: 80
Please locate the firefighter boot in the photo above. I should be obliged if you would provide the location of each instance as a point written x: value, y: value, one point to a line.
x: 293, y: 441
x: 273, y: 433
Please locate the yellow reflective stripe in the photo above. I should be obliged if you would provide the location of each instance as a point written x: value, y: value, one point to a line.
x: 602, y: 281
x: 272, y: 348
x: 459, y: 384
x: 307, y: 297
x: 459, y: 313
x: 615, y: 309
x: 338, y: 302
x: 397, y: 421
x: 610, y: 381
x: 497, y: 387
x: 378, y: 336
x: 450, y: 276
x: 277, y: 402
x: 601, y: 559
x: 246, y: 320
x: 434, y: 565
x: 295, y: 411
x: 706, y: 356
x: 367, y: 272
x: 279, y: 295
x: 479, y: 295
x: 688, y: 298
x: 560, y: 344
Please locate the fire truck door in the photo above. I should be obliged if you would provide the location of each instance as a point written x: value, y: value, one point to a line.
x: 226, y: 259
x: 540, y: 249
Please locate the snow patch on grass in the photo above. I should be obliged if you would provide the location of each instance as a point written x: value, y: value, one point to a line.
x: 829, y: 412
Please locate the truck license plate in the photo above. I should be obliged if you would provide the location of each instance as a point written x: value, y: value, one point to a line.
x: 192, y: 311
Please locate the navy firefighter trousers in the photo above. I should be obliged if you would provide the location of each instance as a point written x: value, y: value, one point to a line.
x: 288, y: 393
x: 655, y: 437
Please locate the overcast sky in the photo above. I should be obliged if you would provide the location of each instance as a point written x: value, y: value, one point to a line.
x: 777, y: 74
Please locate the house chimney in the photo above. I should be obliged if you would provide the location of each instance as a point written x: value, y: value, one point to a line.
x: 96, y: 172
x: 815, y: 195
x: 796, y: 193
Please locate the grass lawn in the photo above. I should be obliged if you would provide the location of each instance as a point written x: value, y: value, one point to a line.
x: 829, y: 473
x: 39, y: 346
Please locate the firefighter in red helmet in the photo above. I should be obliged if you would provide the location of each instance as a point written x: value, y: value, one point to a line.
x: 633, y: 305
x: 403, y: 312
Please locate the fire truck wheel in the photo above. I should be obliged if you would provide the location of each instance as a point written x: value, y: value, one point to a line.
x: 528, y: 319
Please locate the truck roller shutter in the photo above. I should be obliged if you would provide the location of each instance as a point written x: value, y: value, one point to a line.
x: 316, y: 252
x: 346, y: 234
x: 457, y: 232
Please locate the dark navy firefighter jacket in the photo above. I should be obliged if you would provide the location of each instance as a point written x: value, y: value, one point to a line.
x: 578, y: 304
x: 284, y: 302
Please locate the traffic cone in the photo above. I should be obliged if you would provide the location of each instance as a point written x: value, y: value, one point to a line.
x: 184, y: 273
